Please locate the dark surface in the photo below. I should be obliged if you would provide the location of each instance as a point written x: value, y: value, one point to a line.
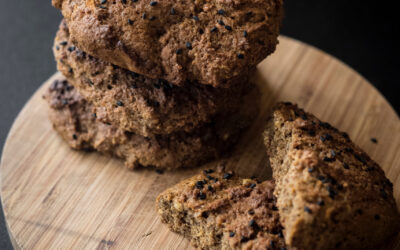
x: 360, y: 33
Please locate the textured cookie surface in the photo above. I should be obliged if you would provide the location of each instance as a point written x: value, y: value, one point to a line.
x: 218, y: 210
x: 208, y: 41
x: 74, y: 119
x: 139, y: 104
x: 330, y: 194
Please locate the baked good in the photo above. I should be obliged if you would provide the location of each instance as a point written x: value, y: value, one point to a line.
x: 73, y: 118
x: 211, y: 42
x: 330, y: 194
x: 218, y: 210
x: 139, y: 104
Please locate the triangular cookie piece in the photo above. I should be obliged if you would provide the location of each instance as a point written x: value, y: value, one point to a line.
x: 330, y: 194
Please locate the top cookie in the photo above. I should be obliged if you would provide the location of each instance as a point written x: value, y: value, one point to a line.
x: 330, y: 193
x: 208, y: 41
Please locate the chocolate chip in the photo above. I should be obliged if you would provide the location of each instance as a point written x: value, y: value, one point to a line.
x: 133, y: 74
x: 272, y: 243
x: 208, y: 171
x: 221, y: 12
x: 360, y: 158
x: 252, y: 223
x: 202, y: 196
x: 157, y: 84
x: 199, y: 184
x: 227, y: 27
x: 311, y: 132
x: 227, y: 176
x: 210, y: 177
x: 332, y: 192
x: 243, y: 239
x: 327, y: 159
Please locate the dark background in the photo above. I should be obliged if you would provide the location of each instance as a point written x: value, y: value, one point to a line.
x: 360, y: 33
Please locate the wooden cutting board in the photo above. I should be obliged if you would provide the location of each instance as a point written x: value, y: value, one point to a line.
x: 54, y: 197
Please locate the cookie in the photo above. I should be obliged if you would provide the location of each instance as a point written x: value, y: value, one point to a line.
x: 218, y: 210
x: 212, y: 42
x: 139, y: 104
x: 75, y: 121
x: 330, y: 193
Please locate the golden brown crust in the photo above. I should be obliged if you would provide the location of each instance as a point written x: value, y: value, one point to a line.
x: 208, y: 41
x: 74, y: 119
x: 218, y: 210
x: 139, y: 104
x: 330, y: 193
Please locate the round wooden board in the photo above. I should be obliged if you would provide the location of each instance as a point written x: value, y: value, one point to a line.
x: 54, y: 197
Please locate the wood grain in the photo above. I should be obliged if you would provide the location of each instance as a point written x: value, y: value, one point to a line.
x: 54, y: 197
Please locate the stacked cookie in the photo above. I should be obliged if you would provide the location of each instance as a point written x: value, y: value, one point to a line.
x: 162, y: 84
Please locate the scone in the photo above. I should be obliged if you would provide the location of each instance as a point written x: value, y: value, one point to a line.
x: 330, y: 194
x: 218, y: 210
x: 211, y: 42
x: 139, y: 104
x: 75, y: 121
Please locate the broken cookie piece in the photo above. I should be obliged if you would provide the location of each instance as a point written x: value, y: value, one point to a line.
x: 330, y: 193
x: 219, y: 210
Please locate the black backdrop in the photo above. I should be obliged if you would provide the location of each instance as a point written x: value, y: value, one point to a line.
x: 360, y: 33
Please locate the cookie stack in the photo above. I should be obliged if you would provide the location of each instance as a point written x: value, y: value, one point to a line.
x: 159, y: 83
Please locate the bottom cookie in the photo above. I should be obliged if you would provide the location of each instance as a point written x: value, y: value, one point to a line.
x: 218, y: 210
x: 74, y: 120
